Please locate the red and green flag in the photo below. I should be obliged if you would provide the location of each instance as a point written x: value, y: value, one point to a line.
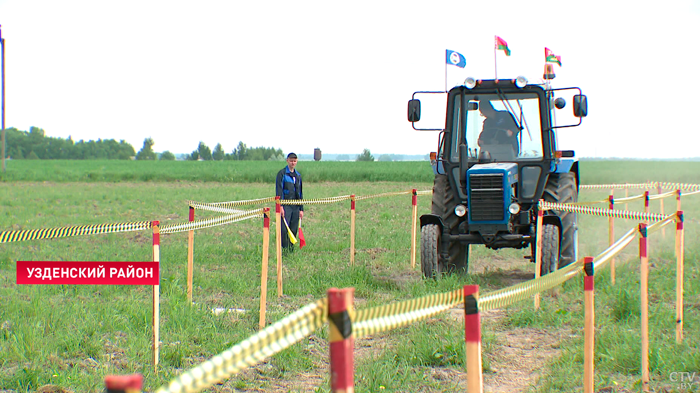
x: 501, y: 44
x: 550, y: 57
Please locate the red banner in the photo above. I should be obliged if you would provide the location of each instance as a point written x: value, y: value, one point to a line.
x: 87, y: 273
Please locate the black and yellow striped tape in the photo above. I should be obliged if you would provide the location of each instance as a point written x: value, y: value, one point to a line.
x: 267, y: 342
x: 211, y: 222
x: 50, y: 233
x: 602, y: 212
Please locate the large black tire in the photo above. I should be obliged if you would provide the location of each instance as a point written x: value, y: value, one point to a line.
x: 443, y: 205
x: 429, y: 255
x: 561, y: 188
x: 550, y: 249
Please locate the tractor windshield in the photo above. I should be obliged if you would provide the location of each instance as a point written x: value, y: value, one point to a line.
x: 502, y: 127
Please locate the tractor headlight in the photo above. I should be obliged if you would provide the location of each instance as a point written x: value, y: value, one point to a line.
x: 514, y: 208
x: 521, y: 82
x: 470, y: 83
x: 460, y: 210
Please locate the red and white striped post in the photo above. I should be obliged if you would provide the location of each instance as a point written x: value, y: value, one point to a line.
x: 414, y: 202
x: 589, y: 327
x: 538, y: 251
x: 352, y: 230
x: 472, y: 339
x: 263, y: 275
x: 190, y: 257
x: 644, y: 281
x: 124, y: 383
x: 278, y: 233
x: 340, y: 313
x: 611, y: 234
x: 156, y: 294
x: 680, y: 255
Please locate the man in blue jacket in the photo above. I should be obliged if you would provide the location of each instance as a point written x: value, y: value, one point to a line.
x: 289, y: 186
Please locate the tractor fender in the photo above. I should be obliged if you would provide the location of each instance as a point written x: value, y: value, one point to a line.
x: 427, y: 219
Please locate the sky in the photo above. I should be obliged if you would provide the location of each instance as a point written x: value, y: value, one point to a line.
x: 299, y: 75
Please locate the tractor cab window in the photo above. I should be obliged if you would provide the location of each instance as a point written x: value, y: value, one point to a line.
x: 504, y: 127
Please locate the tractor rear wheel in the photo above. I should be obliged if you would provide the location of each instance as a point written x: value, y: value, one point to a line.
x: 550, y: 249
x: 443, y: 205
x: 561, y: 188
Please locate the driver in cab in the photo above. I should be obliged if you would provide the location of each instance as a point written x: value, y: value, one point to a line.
x: 499, y: 127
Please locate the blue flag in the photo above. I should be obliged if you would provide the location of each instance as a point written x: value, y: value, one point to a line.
x: 455, y: 58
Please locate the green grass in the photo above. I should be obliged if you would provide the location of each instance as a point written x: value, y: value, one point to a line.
x: 72, y: 336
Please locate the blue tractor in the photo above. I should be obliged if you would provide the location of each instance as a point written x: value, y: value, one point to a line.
x: 497, y: 157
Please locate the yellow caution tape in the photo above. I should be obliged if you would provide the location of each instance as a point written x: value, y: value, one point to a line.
x: 269, y: 341
x: 318, y: 201
x: 211, y: 222
x: 629, y: 199
x: 613, y: 186
x: 50, y: 233
x: 214, y: 208
x: 662, y: 196
x: 602, y: 212
x: 385, y: 194
x: 234, y: 203
x: 391, y: 316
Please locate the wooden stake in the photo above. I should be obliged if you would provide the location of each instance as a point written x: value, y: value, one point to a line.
x: 263, y: 275
x: 190, y: 258
x: 611, y: 234
x: 644, y: 281
x: 589, y: 327
x: 156, y: 295
x: 661, y: 210
x: 342, y: 341
x: 538, y: 251
x: 278, y: 233
x: 680, y: 255
x: 352, y: 230
x: 414, y: 201
x: 472, y: 339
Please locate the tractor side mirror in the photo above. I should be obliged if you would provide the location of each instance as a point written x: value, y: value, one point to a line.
x: 413, y: 110
x: 472, y: 105
x: 580, y: 105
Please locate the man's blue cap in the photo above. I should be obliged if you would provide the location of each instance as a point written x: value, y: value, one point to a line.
x: 291, y: 155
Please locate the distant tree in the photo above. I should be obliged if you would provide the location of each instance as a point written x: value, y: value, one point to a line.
x: 32, y: 156
x: 194, y: 156
x: 146, y: 152
x: 218, y: 154
x: 204, y: 151
x: 385, y: 157
x: 365, y: 156
x: 342, y: 157
x: 240, y: 153
x: 167, y: 156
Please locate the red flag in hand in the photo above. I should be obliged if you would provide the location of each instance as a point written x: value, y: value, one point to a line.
x: 302, y: 241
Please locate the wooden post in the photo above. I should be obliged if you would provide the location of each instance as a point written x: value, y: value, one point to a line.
x: 156, y: 294
x: 646, y: 205
x: 611, y: 234
x: 352, y: 230
x: 278, y: 233
x: 644, y: 284
x: 190, y: 257
x: 538, y: 251
x: 472, y: 339
x: 678, y: 200
x: 661, y: 210
x: 680, y: 255
x: 340, y: 314
x: 627, y: 194
x: 263, y: 275
x: 414, y: 201
x: 589, y: 327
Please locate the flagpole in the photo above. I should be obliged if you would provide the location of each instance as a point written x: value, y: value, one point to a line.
x: 445, y: 75
x: 2, y: 60
x: 495, y: 63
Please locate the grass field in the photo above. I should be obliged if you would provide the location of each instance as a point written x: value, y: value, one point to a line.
x: 72, y: 336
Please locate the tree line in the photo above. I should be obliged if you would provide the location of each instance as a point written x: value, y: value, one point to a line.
x: 35, y: 145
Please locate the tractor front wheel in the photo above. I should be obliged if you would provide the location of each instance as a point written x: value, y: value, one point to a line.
x: 550, y: 249
x: 429, y: 252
